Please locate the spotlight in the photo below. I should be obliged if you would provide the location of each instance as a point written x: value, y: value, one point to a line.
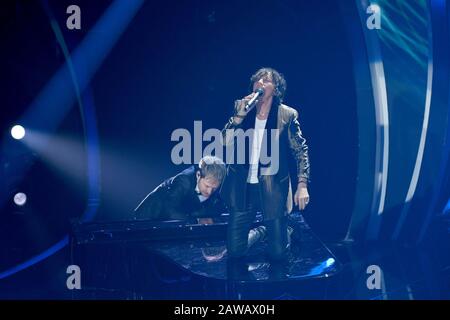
x: 20, y: 199
x: 18, y: 132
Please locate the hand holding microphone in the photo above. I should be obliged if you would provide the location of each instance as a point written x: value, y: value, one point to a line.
x: 245, y: 105
x: 254, y: 100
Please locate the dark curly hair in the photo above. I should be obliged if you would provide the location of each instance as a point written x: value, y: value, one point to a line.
x: 278, y: 81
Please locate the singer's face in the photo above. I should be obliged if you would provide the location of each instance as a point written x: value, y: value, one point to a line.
x: 267, y: 84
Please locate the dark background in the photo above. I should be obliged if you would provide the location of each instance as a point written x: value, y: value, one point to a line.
x: 183, y: 61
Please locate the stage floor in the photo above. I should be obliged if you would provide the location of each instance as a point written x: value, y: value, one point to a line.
x: 308, y: 258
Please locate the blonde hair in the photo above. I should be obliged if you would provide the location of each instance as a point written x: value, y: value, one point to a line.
x: 211, y: 166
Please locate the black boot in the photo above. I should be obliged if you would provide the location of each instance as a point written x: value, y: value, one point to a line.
x: 237, y: 233
x: 278, y: 238
x: 256, y: 235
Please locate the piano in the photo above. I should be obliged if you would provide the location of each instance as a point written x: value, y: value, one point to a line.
x: 187, y: 260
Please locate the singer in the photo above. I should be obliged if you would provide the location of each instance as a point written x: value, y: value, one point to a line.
x: 247, y: 190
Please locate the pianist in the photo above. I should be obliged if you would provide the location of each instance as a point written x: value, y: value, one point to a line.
x: 190, y: 195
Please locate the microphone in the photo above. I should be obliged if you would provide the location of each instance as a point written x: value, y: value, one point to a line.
x: 251, y: 103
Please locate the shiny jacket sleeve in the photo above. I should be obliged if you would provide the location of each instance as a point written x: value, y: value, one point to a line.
x: 299, y: 149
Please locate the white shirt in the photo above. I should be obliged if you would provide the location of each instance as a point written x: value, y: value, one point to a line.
x: 255, y: 150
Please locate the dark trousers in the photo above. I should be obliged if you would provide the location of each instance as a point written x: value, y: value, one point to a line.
x: 240, y: 223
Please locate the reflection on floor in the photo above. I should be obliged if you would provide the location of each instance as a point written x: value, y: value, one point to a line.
x: 308, y: 258
x: 199, y: 269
